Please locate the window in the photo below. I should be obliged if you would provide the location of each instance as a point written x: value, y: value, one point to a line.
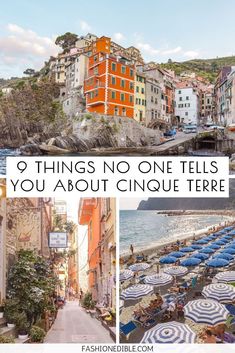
x: 122, y: 97
x: 131, y: 73
x: 155, y: 90
x: 179, y: 92
x: 113, y: 94
x: 151, y: 99
x: 187, y: 98
x: 136, y: 101
x: 137, y: 89
x: 113, y: 67
x: 113, y: 80
x: 151, y: 88
x: 123, y: 69
x: 142, y: 90
x: 95, y: 58
x: 155, y: 100
x: 131, y: 99
x: 139, y: 101
x: 141, y: 115
x: 124, y: 111
x: 152, y: 114
x: 123, y: 83
x: 143, y: 101
x: 186, y: 113
x: 96, y: 71
x: 131, y: 85
x: 155, y: 114
x: 96, y: 93
x: 116, y: 111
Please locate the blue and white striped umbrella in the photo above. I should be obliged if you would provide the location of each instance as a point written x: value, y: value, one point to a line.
x: 136, y: 292
x: 159, y: 279
x: 176, y: 270
x: 225, y: 240
x: 201, y: 256
x: 220, y: 242
x: 223, y: 293
x: 170, y: 332
x: 206, y: 311
x: 187, y: 249
x: 226, y: 277
x: 125, y: 275
x: 139, y: 267
x: 231, y: 246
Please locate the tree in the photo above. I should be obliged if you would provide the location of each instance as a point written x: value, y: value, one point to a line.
x: 66, y: 40
x: 29, y: 72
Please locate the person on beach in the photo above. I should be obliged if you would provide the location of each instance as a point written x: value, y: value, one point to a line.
x: 208, y: 337
x: 132, y: 249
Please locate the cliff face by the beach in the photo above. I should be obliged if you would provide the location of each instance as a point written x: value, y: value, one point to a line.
x: 191, y: 203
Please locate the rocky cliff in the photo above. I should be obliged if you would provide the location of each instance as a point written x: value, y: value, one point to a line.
x: 191, y: 203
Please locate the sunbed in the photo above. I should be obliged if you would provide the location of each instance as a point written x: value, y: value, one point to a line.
x: 127, y: 329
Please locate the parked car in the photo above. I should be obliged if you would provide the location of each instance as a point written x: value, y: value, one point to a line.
x: 188, y: 129
x: 170, y: 133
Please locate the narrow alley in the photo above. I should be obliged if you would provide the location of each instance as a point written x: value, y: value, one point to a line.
x: 74, y: 325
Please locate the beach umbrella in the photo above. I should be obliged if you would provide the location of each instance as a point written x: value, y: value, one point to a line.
x: 191, y: 261
x: 201, y: 256
x: 125, y: 275
x: 170, y: 332
x: 220, y: 242
x: 229, y: 228
x: 160, y: 279
x: 217, y: 263
x: 187, y: 249
x: 195, y: 246
x: 224, y: 256
x: 206, y: 250
x: 227, y: 277
x: 168, y: 260
x: 177, y: 254
x: 214, y: 246
x: 223, y: 293
x: 176, y: 270
x: 206, y: 311
x: 230, y: 251
x: 201, y: 241
x: 139, y: 267
x: 211, y: 237
x: 225, y: 240
x: 231, y: 246
x: 228, y: 237
x: 232, y: 232
x: 136, y: 292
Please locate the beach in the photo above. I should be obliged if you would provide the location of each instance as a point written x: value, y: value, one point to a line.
x: 227, y: 218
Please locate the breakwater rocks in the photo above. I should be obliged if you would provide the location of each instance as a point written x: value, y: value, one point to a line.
x: 93, y: 133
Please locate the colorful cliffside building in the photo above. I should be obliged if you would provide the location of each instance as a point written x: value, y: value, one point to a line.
x: 109, y: 87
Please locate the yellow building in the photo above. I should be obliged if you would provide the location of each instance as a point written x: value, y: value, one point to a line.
x: 140, y: 98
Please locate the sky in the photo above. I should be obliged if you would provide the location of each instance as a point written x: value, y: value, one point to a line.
x: 130, y: 203
x: 176, y: 29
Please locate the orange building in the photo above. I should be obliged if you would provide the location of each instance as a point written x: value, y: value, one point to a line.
x: 109, y: 88
x: 89, y: 214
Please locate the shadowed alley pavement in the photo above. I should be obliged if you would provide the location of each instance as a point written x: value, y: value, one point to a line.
x: 74, y: 325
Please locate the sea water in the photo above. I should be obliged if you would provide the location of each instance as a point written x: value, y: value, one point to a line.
x: 146, y: 229
x: 5, y: 152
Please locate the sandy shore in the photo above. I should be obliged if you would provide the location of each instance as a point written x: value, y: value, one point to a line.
x: 153, y: 250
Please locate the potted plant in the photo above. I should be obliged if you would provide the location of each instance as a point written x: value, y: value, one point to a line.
x: 22, y: 326
x: 37, y: 334
x: 10, y: 312
x: 2, y: 306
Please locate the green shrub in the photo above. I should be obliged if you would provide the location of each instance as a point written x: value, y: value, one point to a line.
x: 11, y: 310
x: 4, y: 339
x: 37, y: 334
x: 22, y: 323
x: 88, y: 116
x: 88, y: 302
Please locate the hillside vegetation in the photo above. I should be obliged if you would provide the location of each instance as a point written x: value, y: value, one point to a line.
x: 207, y: 68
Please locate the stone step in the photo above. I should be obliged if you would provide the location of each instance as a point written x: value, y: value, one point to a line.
x: 6, y: 331
x: 2, y: 322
